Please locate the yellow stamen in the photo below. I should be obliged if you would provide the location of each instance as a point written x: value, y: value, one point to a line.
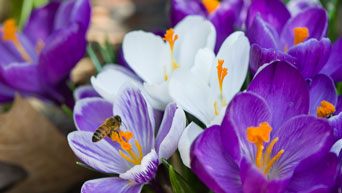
x: 171, y: 37
x: 221, y: 74
x: 9, y: 30
x: 216, y: 109
x: 300, y: 34
x: 325, y: 110
x: 259, y: 136
x: 211, y: 5
x: 165, y: 74
x: 123, y: 139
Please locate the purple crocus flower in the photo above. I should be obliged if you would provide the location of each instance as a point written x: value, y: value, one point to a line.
x: 267, y: 142
x: 224, y: 15
x: 298, y: 39
x: 134, y: 153
x: 38, y: 60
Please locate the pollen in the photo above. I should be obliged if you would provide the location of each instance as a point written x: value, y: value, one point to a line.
x: 300, y: 34
x: 326, y: 110
x: 259, y: 136
x: 211, y: 5
x: 123, y: 138
x: 221, y: 74
x: 9, y: 31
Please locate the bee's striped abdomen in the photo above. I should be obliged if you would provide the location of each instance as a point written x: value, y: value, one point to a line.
x: 100, y: 133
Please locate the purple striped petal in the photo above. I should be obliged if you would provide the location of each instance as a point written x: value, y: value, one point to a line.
x: 333, y: 67
x: 182, y: 8
x: 40, y: 24
x: 101, y: 155
x: 145, y: 171
x: 85, y: 91
x: 322, y: 88
x: 62, y: 50
x: 311, y: 56
x: 110, y: 185
x: 170, y: 131
x: 90, y: 113
x: 262, y: 33
x: 136, y: 114
x: 315, y: 19
x: 286, y: 97
x: 273, y: 12
x: 211, y: 164
x: 260, y: 56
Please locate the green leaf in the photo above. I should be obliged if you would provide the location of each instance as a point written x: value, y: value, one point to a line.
x: 94, y: 58
x: 67, y: 110
x: 339, y: 88
x: 25, y: 12
x: 178, y: 183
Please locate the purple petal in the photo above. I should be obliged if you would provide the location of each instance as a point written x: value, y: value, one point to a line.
x: 212, y: 165
x: 21, y: 76
x: 262, y: 33
x: 253, y: 181
x: 40, y: 23
x: 311, y: 56
x: 336, y: 123
x: 297, y: 6
x: 339, y: 104
x: 73, y: 11
x: 308, y: 175
x: 63, y: 49
x: 170, y: 131
x: 245, y: 110
x: 90, y: 113
x: 260, y: 56
x: 85, y: 91
x: 144, y: 172
x: 6, y: 93
x: 333, y: 67
x: 101, y: 155
x: 273, y: 12
x: 182, y: 8
x: 322, y: 88
x: 315, y: 19
x: 110, y: 185
x: 302, y: 137
x: 284, y: 90
x: 136, y: 114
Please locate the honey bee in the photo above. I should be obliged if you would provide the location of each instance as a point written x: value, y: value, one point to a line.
x: 112, y: 124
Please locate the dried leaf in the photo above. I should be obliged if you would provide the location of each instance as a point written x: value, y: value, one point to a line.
x: 29, y: 140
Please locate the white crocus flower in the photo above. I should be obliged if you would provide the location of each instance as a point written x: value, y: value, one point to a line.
x: 154, y: 59
x: 206, y: 89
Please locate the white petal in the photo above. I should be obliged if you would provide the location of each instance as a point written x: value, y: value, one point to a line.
x: 194, y: 33
x: 108, y: 82
x: 235, y: 53
x: 219, y: 118
x: 204, y: 61
x: 189, y: 135
x: 158, y: 94
x: 143, y: 51
x: 192, y: 94
x: 337, y: 147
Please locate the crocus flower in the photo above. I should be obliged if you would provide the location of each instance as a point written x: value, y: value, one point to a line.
x: 298, y: 39
x: 37, y: 60
x: 267, y: 142
x: 225, y: 15
x: 134, y: 152
x: 154, y: 60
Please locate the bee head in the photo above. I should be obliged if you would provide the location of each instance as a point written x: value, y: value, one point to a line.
x: 117, y: 118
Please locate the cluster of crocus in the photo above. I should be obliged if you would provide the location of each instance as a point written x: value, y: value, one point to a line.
x: 282, y: 134
x: 38, y: 59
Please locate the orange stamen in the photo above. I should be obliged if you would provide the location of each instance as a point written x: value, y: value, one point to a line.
x: 171, y: 37
x: 300, y: 34
x: 211, y: 5
x: 221, y: 74
x: 325, y: 110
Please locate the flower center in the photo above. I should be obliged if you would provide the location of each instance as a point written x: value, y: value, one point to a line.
x: 259, y: 135
x: 171, y: 37
x: 300, y: 34
x: 221, y: 74
x: 326, y: 110
x: 211, y: 5
x: 123, y: 138
x: 9, y: 30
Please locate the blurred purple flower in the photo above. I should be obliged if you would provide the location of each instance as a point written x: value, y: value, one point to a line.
x: 137, y: 163
x: 225, y: 15
x: 38, y: 60
x: 273, y: 112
